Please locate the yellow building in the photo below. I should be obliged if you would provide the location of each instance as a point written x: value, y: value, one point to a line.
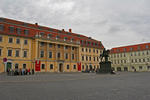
x: 131, y: 58
x: 31, y: 46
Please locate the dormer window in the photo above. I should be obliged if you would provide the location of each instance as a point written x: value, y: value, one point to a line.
x: 57, y: 37
x: 49, y: 35
x: 131, y: 49
x: 124, y: 49
x: 18, y: 30
x: 1, y: 27
x: 42, y: 34
x: 26, y: 32
x: 139, y: 47
x: 147, y: 46
x: 72, y: 39
x: 11, y: 29
x: 65, y: 38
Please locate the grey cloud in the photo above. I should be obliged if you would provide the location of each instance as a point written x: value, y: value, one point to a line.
x: 114, y: 22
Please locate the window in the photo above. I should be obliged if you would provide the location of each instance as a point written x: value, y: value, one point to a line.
x: 148, y: 60
x: 0, y: 51
x: 50, y: 54
x: 74, y: 66
x: 11, y: 29
x: 17, y: 41
x: 135, y: 60
x: 147, y: 53
x: 148, y: 67
x: 10, y: 40
x: 41, y: 43
x: 1, y: 27
x: 66, y: 47
x: 82, y: 49
x: 73, y: 48
x: 138, y: 47
x: 97, y: 58
x: 143, y: 53
x: 124, y: 49
x: 16, y: 66
x: 66, y: 56
x: 90, y: 58
x: 94, y: 50
x: 58, y: 46
x: 58, y: 55
x: 131, y: 54
x: 25, y: 42
x: 135, y: 54
x: 121, y: 55
x: 24, y: 66
x: 139, y: 60
x: 131, y: 49
x: 57, y: 37
x: 139, y: 54
x: 82, y: 58
x: 72, y: 39
x: 89, y: 50
x: 140, y: 67
x: 86, y: 58
x: 50, y: 45
x: 42, y: 54
x: 147, y: 46
x: 97, y: 51
x: 86, y: 50
x: 67, y: 66
x: 94, y: 58
x: 25, y: 54
x: 43, y: 66
x: 51, y: 66
x: 82, y: 66
x: 26, y: 32
x: 132, y: 60
x: 124, y: 55
x: 17, y: 53
x: 49, y: 35
x: 18, y: 30
x: 132, y: 67
x: 143, y: 60
x: 72, y: 56
x: 42, y: 34
x: 9, y: 52
x: 65, y: 38
x: 1, y: 38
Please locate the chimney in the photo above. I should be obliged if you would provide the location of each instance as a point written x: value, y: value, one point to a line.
x: 70, y: 30
x: 63, y: 30
x: 36, y: 24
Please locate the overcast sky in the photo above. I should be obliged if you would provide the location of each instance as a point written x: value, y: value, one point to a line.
x: 114, y: 22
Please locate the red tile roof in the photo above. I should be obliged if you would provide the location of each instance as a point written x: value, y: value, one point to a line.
x: 35, y: 28
x: 131, y: 48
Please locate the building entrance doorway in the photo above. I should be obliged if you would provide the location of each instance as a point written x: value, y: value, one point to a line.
x: 61, y: 67
x: 125, y: 68
x: 9, y: 65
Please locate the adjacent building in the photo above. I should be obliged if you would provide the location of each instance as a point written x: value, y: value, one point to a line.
x: 31, y: 46
x: 131, y: 58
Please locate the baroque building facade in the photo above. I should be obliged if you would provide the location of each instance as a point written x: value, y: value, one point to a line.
x: 131, y: 58
x: 44, y: 49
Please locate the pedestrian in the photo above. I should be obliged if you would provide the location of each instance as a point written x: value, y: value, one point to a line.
x: 23, y: 71
x: 32, y: 71
x: 29, y: 71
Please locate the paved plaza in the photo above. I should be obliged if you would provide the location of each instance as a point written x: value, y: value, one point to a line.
x: 76, y: 86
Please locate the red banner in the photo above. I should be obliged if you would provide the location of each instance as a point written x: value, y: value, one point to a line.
x: 79, y: 66
x: 37, y: 65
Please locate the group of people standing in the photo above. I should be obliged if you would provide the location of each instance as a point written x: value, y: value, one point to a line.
x: 16, y: 71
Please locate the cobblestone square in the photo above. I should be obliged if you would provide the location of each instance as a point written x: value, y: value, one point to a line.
x: 76, y: 86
